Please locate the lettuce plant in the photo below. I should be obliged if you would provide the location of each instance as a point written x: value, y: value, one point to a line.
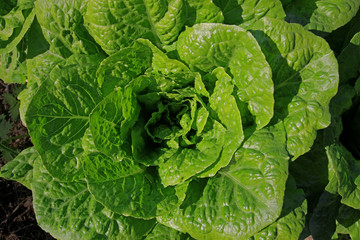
x: 171, y: 119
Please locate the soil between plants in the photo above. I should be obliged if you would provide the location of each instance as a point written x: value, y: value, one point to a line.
x: 17, y: 217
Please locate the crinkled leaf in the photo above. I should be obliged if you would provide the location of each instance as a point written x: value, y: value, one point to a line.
x: 187, y: 162
x: 241, y: 199
x: 321, y: 15
x: 208, y: 46
x: 137, y: 191
x: 347, y: 171
x: 305, y: 76
x: 68, y: 211
x: 111, y: 122
x: 21, y: 167
x: 58, y: 114
x: 292, y: 219
x: 122, y: 67
x: 246, y: 12
x: 63, y: 26
x: 162, y: 115
x: 121, y: 22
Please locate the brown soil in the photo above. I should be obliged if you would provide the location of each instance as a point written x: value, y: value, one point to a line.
x: 17, y: 218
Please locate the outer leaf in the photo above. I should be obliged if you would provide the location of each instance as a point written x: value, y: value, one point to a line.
x: 321, y: 15
x: 58, y: 114
x: 38, y: 69
x: 121, y: 22
x: 305, y: 78
x: 243, y: 198
x: 347, y: 170
x: 207, y: 46
x: 246, y: 12
x: 21, y: 167
x: 63, y: 26
x: 68, y: 211
x: 292, y: 219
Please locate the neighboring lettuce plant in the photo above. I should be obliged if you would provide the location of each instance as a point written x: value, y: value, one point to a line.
x: 321, y: 16
x: 174, y: 119
x: 333, y: 185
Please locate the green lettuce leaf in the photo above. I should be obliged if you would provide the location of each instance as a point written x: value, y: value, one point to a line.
x: 115, y: 172
x: 208, y: 46
x: 12, y: 66
x: 13, y: 63
x: 58, y: 115
x: 319, y: 15
x: 292, y: 219
x: 246, y: 12
x: 121, y: 22
x: 21, y: 167
x: 38, y: 69
x: 68, y: 211
x: 305, y: 76
x: 62, y: 22
x: 241, y: 199
x: 154, y: 138
x: 347, y: 171
x: 203, y: 11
